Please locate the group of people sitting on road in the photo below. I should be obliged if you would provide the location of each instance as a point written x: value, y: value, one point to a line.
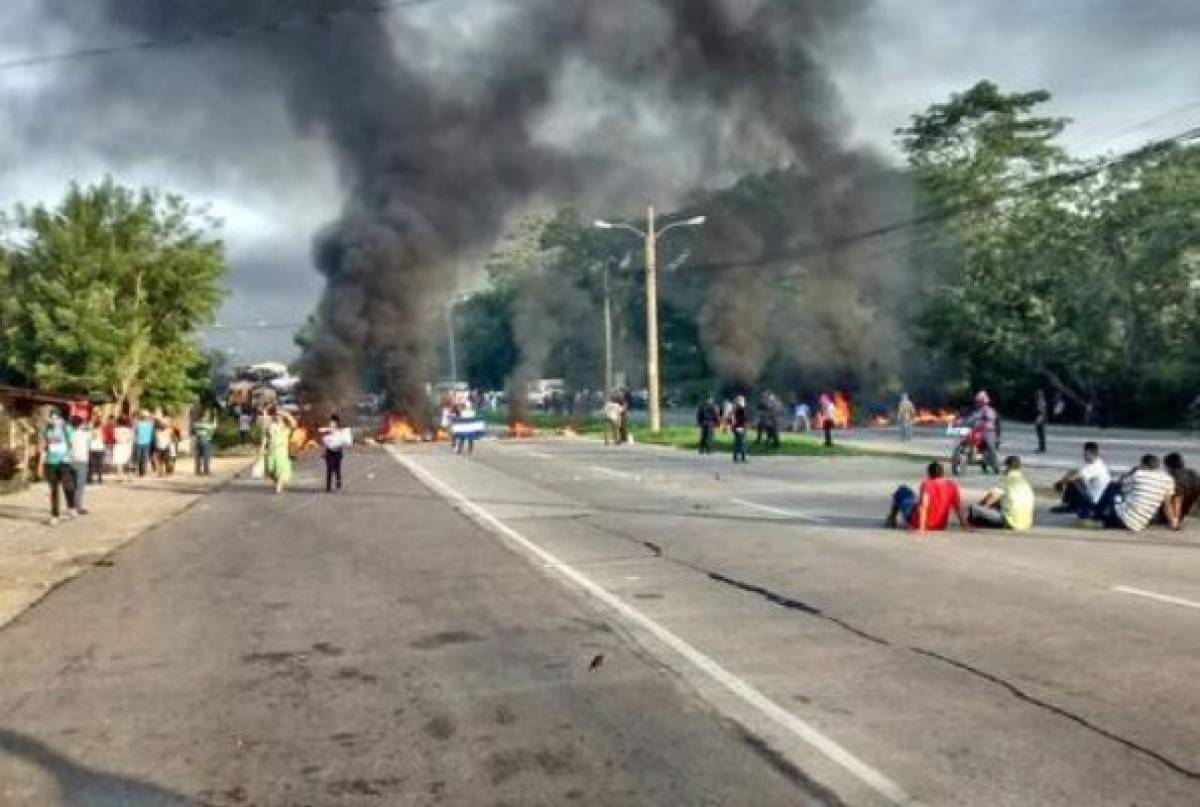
x: 1155, y: 491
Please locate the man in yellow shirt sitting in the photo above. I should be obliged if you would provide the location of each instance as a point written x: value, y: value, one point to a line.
x: 1009, y: 506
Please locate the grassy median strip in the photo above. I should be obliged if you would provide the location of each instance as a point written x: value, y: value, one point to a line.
x: 688, y: 438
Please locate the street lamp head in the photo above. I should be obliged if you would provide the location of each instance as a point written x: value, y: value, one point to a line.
x: 601, y: 224
x: 696, y: 221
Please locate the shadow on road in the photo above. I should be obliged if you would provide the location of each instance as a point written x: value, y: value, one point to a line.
x: 80, y: 786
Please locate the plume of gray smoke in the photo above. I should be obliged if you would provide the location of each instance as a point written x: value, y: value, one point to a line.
x: 435, y: 162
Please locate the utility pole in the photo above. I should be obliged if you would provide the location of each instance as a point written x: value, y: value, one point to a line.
x: 653, y: 381
x: 451, y: 341
x: 652, y: 374
x: 608, y: 335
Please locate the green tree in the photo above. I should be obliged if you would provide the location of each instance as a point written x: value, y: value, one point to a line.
x: 109, y: 288
x: 1043, y: 271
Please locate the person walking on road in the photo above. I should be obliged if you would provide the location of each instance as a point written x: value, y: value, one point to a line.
x: 707, y: 418
x: 55, y: 464
x: 738, y: 421
x: 905, y: 413
x: 334, y: 440
x: 1041, y: 416
x: 81, y: 455
x: 203, y: 432
x: 279, y: 448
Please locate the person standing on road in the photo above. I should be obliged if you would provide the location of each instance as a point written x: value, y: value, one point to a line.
x: 1187, y: 485
x: 801, y: 420
x: 143, y: 441
x: 466, y: 428
x: 928, y: 510
x: 81, y: 454
x: 162, y: 447
x: 905, y: 412
x: 96, y: 451
x: 828, y: 416
x: 245, y: 426
x: 203, y: 432
x: 122, y: 449
x: 707, y: 418
x: 738, y: 421
x: 1009, y: 506
x: 613, y: 413
x: 1041, y: 416
x: 55, y: 464
x: 1081, y: 490
x: 333, y: 439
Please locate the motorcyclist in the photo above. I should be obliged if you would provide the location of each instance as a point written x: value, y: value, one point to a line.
x: 984, y: 415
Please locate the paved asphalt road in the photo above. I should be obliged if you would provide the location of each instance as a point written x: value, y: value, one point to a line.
x: 371, y: 648
x: 762, y: 641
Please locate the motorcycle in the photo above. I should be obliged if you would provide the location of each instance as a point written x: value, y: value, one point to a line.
x: 970, y: 447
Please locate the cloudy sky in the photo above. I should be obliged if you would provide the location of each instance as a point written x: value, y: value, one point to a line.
x: 1125, y: 71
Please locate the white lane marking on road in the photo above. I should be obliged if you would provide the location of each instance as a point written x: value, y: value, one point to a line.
x: 1150, y: 595
x: 778, y: 511
x: 613, y: 472
x: 741, y: 688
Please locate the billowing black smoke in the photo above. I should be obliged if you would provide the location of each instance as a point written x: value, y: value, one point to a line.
x: 605, y: 103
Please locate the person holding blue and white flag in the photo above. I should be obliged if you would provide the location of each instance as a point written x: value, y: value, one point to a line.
x: 466, y: 427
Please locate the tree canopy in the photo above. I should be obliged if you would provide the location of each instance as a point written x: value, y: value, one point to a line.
x: 103, y: 294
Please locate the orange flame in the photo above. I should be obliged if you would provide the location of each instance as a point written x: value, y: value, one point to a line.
x: 398, y: 430
x: 930, y: 417
x: 842, y: 413
x: 519, y: 429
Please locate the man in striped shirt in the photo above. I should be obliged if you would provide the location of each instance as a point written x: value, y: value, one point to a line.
x: 1132, y: 502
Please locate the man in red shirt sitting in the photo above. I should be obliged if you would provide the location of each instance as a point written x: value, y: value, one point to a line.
x: 930, y: 508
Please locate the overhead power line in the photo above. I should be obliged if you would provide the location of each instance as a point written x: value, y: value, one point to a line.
x: 1062, y: 179
x: 201, y: 37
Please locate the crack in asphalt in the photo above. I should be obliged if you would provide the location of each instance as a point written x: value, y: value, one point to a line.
x: 813, y: 611
x: 797, y: 605
x: 1022, y: 695
x: 807, y: 609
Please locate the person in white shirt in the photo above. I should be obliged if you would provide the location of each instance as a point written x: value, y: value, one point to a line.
x: 81, y: 449
x: 1081, y: 489
x: 335, y: 440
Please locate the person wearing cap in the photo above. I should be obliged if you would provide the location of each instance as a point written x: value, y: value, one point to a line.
x: 983, y: 413
x: 1008, y: 506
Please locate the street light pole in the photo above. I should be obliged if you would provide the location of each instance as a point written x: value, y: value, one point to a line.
x: 608, y: 346
x: 451, y: 341
x: 652, y: 373
x: 653, y: 380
